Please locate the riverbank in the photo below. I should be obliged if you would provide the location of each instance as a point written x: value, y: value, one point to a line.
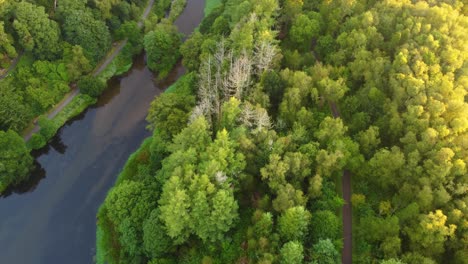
x: 107, y: 249
x: 210, y: 5
x: 74, y: 103
x: 105, y: 231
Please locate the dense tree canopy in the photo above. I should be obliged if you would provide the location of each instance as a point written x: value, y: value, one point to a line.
x: 36, y: 32
x: 247, y: 157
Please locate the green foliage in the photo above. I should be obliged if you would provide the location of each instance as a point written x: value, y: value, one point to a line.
x: 325, y: 252
x: 76, y: 62
x: 15, y: 160
x: 190, y: 51
x: 91, y: 86
x: 391, y: 261
x: 292, y: 253
x: 128, y: 205
x: 168, y: 111
x: 293, y: 224
x: 36, y: 32
x: 161, y: 7
x: 177, y: 7
x: 325, y: 225
x: 7, y: 50
x: 376, y: 89
x: 210, y: 17
x: 14, y: 112
x: 210, y: 5
x: 303, y: 30
x: 36, y: 141
x: 81, y: 28
x: 47, y: 126
x: 155, y: 239
x: 162, y: 48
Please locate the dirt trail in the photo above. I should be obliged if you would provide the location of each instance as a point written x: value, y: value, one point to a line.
x: 346, y: 255
x: 12, y: 66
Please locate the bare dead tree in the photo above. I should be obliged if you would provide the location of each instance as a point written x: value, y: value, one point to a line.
x: 209, y: 84
x: 255, y: 117
x: 247, y: 115
x: 262, y: 119
x: 264, y: 54
x: 239, y: 76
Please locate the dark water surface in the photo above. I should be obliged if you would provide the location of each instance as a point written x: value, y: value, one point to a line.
x: 52, y: 218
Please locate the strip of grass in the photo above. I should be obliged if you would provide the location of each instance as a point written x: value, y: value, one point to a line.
x: 100, y: 255
x: 119, y: 65
x: 107, y: 247
x: 210, y: 5
x: 50, y: 127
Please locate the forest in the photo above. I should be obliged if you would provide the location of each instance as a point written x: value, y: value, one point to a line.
x: 281, y: 97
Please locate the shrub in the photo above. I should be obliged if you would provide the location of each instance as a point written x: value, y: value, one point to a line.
x: 91, y: 86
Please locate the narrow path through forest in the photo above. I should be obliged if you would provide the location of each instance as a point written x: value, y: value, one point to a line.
x: 12, y: 66
x: 69, y: 97
x: 346, y: 255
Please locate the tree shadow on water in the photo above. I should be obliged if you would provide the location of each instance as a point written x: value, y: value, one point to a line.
x: 37, y: 174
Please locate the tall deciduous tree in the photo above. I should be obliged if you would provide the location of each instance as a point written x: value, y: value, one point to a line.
x: 293, y: 224
x: 81, y: 28
x: 162, y: 48
x: 36, y: 32
x: 15, y: 160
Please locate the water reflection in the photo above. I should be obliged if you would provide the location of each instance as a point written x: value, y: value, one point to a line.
x: 36, y: 176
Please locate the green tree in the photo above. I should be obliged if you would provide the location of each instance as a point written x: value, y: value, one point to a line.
x: 15, y: 160
x: 36, y: 32
x: 48, y: 127
x: 168, y: 111
x: 292, y: 253
x: 332, y: 90
x: 81, y: 28
x: 325, y: 224
x: 162, y: 48
x: 14, y: 112
x: 293, y: 224
x: 7, y: 44
x: 175, y: 210
x: 191, y: 50
x: 431, y: 233
x: 155, y: 240
x: 264, y: 226
x: 91, y: 85
x: 76, y: 62
x: 302, y: 31
x: 324, y: 252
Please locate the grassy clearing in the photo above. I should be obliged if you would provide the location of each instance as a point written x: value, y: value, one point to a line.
x: 210, y: 5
